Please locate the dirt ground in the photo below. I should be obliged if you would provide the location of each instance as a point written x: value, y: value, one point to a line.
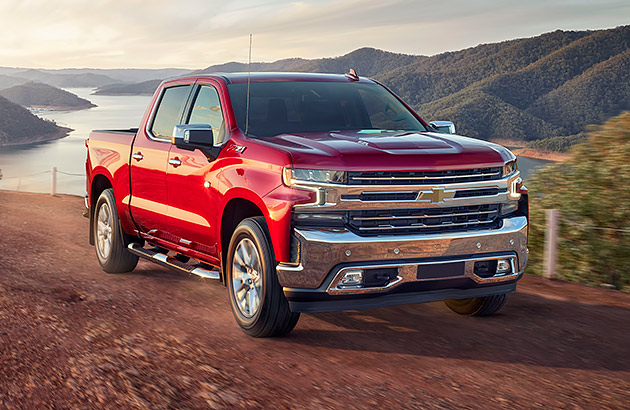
x: 72, y: 336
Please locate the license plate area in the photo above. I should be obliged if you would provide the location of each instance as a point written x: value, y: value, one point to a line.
x: 440, y: 270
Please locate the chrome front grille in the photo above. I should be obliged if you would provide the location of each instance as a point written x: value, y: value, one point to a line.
x: 424, y: 220
x: 424, y: 177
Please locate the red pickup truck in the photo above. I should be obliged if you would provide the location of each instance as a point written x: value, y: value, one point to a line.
x: 307, y: 193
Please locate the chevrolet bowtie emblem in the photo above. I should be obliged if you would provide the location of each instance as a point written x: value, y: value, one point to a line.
x: 435, y: 195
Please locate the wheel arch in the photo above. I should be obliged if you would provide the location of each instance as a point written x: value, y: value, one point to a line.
x: 99, y: 183
x: 235, y: 211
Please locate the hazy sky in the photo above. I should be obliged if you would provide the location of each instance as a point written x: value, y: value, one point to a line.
x: 199, y: 33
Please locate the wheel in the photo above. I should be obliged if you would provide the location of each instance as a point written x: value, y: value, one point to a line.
x: 484, y: 306
x: 111, y: 252
x: 256, y: 297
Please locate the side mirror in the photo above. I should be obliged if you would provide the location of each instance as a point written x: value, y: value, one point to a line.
x: 191, y: 136
x: 443, y: 127
x: 196, y: 136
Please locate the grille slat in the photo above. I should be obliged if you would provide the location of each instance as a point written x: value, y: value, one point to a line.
x: 415, y: 226
x: 429, y: 220
x: 420, y: 177
x: 387, y: 217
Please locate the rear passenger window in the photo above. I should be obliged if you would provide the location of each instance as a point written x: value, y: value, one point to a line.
x: 207, y: 110
x: 169, y: 112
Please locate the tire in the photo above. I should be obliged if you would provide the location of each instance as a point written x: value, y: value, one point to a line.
x: 257, y: 300
x: 484, y: 306
x: 111, y: 252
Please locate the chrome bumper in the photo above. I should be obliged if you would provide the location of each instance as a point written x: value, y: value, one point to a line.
x: 322, y: 255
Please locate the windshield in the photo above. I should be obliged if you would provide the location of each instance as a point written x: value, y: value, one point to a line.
x: 298, y: 107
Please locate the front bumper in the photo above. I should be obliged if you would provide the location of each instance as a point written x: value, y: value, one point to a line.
x: 322, y: 256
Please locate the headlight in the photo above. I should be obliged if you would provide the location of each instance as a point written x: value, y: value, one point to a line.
x: 312, y: 176
x: 509, y: 168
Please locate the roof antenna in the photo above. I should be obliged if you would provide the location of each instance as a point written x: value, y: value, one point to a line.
x: 249, y: 77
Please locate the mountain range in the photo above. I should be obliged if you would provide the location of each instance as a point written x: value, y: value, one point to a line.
x: 543, y: 90
x: 83, y: 77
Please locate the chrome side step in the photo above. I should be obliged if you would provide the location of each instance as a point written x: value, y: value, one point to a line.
x: 171, y: 262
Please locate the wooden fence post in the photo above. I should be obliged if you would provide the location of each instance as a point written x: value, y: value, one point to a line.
x: 53, y: 171
x: 551, y: 243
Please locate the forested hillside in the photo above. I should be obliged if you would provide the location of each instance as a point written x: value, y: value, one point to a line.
x: 18, y: 126
x: 39, y: 95
x: 581, y: 78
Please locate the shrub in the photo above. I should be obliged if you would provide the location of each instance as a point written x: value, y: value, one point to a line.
x: 592, y: 188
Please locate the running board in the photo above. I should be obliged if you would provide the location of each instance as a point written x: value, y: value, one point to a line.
x: 171, y: 262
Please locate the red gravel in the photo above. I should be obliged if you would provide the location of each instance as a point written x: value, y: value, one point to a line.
x: 72, y: 336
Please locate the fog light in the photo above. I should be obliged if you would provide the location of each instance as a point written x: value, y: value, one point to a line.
x: 352, y: 278
x: 508, y: 208
x: 503, y: 266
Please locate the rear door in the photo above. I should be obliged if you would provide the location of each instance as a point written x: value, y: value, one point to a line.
x: 192, y: 178
x: 148, y: 203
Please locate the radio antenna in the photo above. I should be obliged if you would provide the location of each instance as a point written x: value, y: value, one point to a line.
x: 249, y: 77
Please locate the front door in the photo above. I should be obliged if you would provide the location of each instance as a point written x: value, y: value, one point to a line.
x: 191, y: 180
x: 149, y: 159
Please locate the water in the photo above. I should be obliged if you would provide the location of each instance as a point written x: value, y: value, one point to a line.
x: 19, y: 164
x: 528, y: 165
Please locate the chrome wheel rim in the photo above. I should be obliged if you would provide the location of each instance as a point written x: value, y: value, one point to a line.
x: 104, y: 231
x: 247, y: 278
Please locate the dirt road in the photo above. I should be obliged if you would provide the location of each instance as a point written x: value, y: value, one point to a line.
x: 72, y: 336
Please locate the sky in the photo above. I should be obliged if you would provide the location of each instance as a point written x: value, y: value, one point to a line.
x: 199, y: 33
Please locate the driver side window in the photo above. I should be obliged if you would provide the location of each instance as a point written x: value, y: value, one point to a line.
x: 207, y: 110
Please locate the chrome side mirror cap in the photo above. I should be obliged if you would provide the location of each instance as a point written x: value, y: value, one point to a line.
x: 193, y: 136
x: 196, y: 136
x: 443, y: 127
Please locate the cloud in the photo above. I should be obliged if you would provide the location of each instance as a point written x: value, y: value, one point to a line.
x: 198, y: 33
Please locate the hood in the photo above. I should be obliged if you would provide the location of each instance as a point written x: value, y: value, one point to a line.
x: 376, y: 150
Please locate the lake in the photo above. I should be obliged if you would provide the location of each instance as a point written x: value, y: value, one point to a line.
x: 28, y: 168
x: 18, y: 164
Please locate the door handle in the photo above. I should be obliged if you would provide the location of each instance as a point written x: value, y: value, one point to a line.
x: 175, y: 162
x: 137, y: 156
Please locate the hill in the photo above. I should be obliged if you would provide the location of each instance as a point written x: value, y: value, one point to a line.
x: 143, y: 88
x: 7, y: 81
x: 122, y: 75
x: 19, y: 127
x: 366, y: 61
x: 85, y: 79
x: 37, y: 95
x: 575, y: 79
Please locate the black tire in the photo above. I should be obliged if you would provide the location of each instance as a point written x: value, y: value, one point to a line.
x: 484, y: 306
x: 259, y: 305
x: 114, y: 258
